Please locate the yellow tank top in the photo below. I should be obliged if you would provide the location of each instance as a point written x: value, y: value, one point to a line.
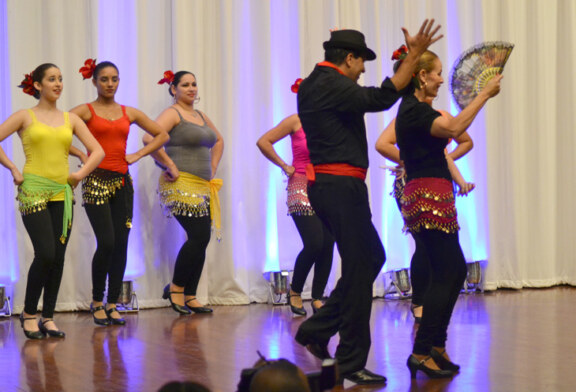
x: 46, y: 149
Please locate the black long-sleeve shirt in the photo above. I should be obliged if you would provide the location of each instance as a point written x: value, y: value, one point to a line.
x: 331, y: 108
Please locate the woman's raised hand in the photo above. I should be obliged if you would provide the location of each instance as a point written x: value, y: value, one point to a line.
x: 492, y: 88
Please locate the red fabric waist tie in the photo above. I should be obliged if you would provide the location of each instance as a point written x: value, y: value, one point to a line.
x: 336, y: 169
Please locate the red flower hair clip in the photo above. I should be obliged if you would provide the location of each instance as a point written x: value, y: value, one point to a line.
x: 296, y: 86
x: 168, y: 78
x: 400, y: 53
x: 27, y: 85
x: 88, y: 69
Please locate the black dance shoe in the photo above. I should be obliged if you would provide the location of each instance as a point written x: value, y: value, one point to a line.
x: 177, y: 308
x: 298, y: 311
x: 365, y: 377
x: 30, y: 334
x: 318, y: 349
x: 442, y: 362
x: 54, y: 333
x: 414, y: 365
x: 99, y: 321
x: 198, y: 309
x: 314, y: 308
x: 114, y: 321
x: 417, y: 320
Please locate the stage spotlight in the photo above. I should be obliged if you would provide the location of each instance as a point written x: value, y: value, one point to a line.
x: 399, y: 287
x: 5, y: 309
x: 128, y: 301
x: 473, y: 280
x: 278, y: 286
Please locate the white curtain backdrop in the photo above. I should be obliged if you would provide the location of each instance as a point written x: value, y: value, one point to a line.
x: 245, y: 55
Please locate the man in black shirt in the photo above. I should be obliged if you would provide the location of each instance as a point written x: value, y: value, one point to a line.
x: 331, y: 106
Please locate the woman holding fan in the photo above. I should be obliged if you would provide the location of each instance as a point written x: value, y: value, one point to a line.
x: 386, y: 146
x: 428, y: 206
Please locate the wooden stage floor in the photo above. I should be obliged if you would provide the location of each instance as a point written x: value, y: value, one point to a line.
x: 505, y: 341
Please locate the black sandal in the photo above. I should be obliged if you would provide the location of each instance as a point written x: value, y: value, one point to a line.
x: 99, y: 321
x: 55, y: 333
x: 417, y: 320
x: 177, y: 308
x: 114, y: 321
x: 198, y: 309
x: 30, y: 334
x: 299, y: 311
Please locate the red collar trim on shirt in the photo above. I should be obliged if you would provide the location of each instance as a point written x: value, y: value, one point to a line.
x: 330, y: 65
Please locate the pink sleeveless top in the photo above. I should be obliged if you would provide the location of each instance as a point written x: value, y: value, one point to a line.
x: 300, y: 154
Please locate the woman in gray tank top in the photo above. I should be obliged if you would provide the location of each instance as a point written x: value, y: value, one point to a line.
x: 188, y: 190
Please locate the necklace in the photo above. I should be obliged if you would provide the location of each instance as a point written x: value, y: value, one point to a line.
x: 185, y: 109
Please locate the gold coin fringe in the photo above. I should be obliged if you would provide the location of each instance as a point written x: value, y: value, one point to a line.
x: 101, y: 185
x: 30, y: 202
x: 184, y: 203
x: 426, y: 209
x: 297, y: 201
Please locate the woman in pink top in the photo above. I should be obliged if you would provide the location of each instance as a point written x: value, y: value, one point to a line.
x: 318, y: 243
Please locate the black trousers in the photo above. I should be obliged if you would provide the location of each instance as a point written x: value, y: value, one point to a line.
x: 447, y: 268
x: 45, y: 273
x: 108, y: 221
x: 318, y: 251
x: 341, y: 202
x: 190, y: 260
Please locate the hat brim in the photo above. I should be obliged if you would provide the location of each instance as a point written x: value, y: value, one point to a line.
x: 363, y: 50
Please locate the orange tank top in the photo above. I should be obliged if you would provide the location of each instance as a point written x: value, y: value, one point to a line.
x: 112, y: 136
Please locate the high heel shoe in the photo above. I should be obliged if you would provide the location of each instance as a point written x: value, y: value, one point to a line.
x: 198, y: 309
x: 299, y: 311
x: 114, y: 321
x: 30, y: 334
x: 417, y: 320
x: 414, y: 365
x: 442, y: 362
x: 177, y: 308
x: 99, y: 321
x: 315, y: 309
x: 55, y: 333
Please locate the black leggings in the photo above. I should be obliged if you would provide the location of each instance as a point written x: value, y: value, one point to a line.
x: 190, y: 260
x: 419, y: 268
x: 447, y: 268
x: 45, y: 273
x: 108, y: 221
x: 419, y: 273
x: 318, y: 250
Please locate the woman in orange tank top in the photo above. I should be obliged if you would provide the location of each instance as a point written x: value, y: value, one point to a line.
x: 107, y: 194
x: 45, y: 190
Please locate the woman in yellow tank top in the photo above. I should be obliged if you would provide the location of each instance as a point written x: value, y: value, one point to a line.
x: 45, y: 190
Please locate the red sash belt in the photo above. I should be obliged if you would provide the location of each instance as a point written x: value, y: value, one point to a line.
x: 337, y: 169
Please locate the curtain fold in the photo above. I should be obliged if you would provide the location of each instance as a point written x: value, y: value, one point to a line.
x: 246, y: 54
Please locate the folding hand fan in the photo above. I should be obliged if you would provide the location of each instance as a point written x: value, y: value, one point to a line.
x: 475, y: 67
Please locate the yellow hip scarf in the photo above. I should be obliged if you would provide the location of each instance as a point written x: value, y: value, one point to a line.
x: 191, y: 196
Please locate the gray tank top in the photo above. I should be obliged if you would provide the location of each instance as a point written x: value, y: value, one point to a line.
x: 190, y: 147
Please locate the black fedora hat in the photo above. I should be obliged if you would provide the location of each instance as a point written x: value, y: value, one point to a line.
x: 350, y: 39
